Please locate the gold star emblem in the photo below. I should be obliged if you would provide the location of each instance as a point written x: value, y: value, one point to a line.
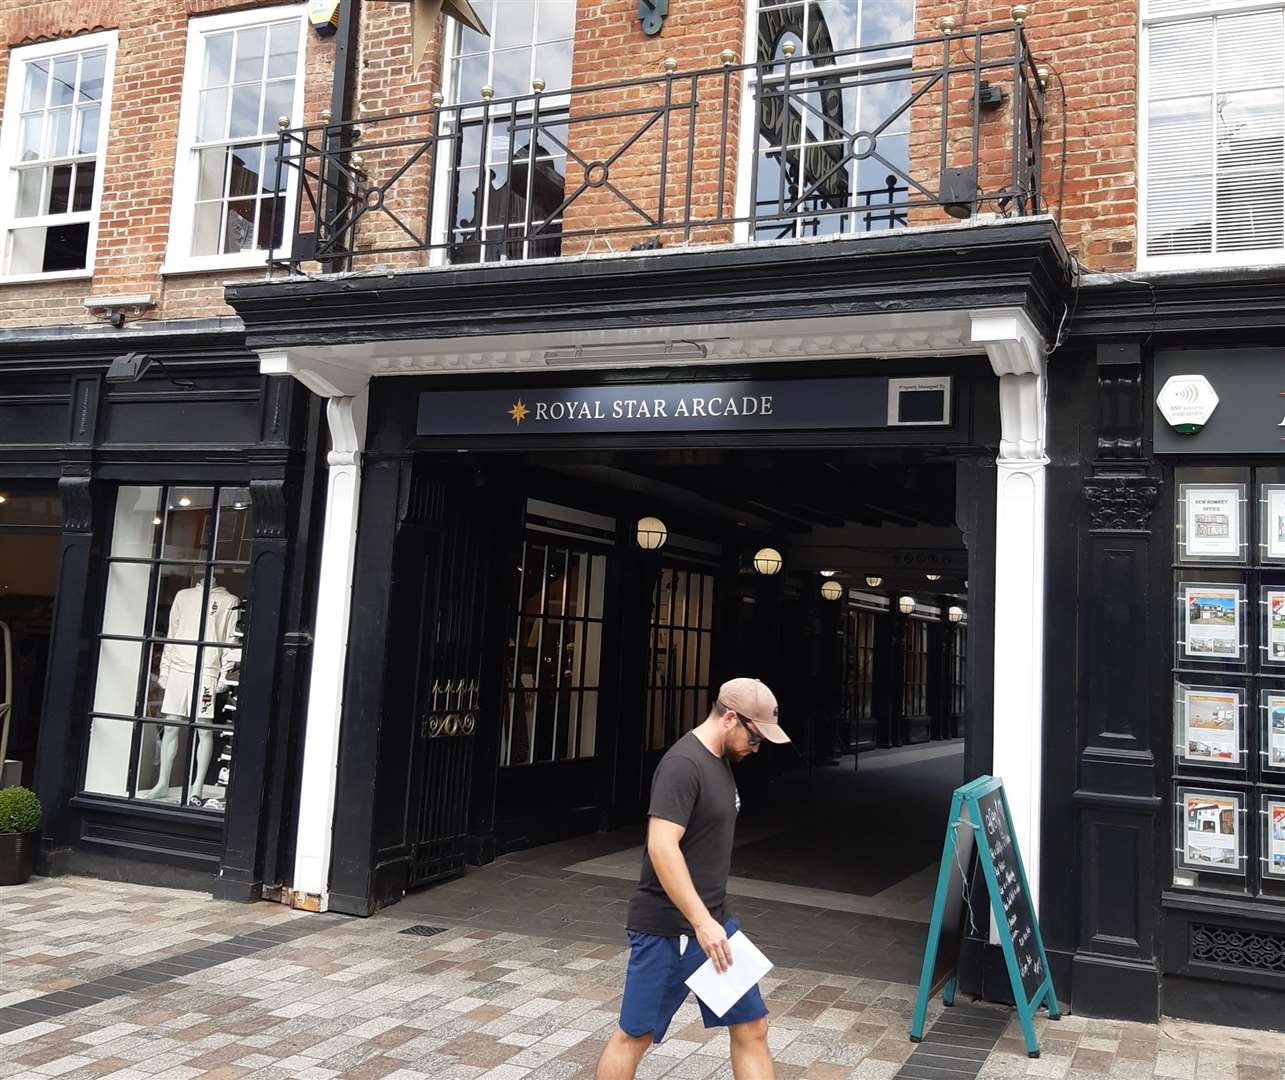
x: 518, y: 412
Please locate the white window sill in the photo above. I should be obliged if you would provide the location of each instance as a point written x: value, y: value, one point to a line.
x: 54, y: 275
x: 1238, y: 261
x: 215, y: 266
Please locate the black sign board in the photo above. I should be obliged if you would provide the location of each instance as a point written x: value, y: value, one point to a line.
x: 875, y: 401
x: 1250, y: 415
x: 980, y: 822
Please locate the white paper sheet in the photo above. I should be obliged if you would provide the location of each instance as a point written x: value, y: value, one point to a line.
x: 721, y: 992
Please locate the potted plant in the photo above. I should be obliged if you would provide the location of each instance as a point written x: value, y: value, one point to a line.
x: 19, y: 817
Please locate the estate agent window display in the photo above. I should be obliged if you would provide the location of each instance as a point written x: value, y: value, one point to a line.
x: 165, y: 695
x: 1229, y: 681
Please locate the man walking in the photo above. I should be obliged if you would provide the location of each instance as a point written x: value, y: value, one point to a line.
x: 676, y: 917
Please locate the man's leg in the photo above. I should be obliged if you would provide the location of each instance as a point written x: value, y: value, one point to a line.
x: 620, y: 1057
x: 751, y: 1058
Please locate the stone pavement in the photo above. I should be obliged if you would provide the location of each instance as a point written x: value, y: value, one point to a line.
x: 315, y: 997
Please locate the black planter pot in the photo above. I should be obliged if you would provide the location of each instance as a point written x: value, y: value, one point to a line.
x: 17, y: 850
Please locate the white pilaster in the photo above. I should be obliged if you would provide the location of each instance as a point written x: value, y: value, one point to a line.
x: 1017, y: 351
x: 346, y: 417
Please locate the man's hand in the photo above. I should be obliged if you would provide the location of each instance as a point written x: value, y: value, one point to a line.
x: 712, y: 939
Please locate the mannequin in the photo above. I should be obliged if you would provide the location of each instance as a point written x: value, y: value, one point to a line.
x: 178, y: 677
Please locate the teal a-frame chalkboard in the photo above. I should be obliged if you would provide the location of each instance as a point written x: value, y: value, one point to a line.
x: 980, y: 822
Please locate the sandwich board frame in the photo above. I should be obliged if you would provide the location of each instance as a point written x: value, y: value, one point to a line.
x: 979, y: 820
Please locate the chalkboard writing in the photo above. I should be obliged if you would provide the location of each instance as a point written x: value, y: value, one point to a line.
x: 981, y: 826
x: 1018, y: 915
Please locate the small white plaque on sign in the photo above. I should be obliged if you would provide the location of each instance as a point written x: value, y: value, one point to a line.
x: 1187, y: 402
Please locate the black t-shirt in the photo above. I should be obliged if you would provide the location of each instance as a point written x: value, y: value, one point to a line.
x: 695, y: 789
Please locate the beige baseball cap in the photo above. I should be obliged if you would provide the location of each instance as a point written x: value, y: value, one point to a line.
x: 754, y: 701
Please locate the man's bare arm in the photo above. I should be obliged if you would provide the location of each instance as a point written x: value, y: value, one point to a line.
x: 671, y: 868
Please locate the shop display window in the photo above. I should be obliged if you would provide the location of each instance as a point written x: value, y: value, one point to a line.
x: 681, y: 637
x: 1229, y: 680
x: 860, y: 681
x: 554, y: 662
x: 169, y: 650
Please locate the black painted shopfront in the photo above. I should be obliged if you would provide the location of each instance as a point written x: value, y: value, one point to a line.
x: 157, y: 532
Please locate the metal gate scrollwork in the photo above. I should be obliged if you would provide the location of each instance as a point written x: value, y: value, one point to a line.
x: 452, y: 710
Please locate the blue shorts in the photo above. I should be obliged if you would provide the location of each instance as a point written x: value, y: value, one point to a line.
x: 656, y: 985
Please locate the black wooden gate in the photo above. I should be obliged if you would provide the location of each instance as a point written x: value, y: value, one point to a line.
x: 446, y: 546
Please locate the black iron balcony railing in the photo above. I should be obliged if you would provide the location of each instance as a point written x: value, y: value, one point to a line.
x: 881, y: 137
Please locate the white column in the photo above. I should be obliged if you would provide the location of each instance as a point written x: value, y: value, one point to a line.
x: 1016, y: 351
x: 346, y: 416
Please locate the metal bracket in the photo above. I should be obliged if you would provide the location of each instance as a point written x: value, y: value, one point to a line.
x: 651, y: 13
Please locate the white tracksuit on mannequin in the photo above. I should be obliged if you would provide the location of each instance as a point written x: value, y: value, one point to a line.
x: 179, y: 678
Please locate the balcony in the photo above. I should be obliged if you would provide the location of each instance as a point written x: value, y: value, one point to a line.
x: 872, y: 140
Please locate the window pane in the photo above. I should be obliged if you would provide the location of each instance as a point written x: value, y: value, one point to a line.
x: 47, y: 249
x: 272, y: 222
x: 471, y: 73
x: 60, y: 132
x: 887, y: 20
x: 209, y: 172
x: 832, y: 25
x: 238, y: 230
x: 282, y: 49
x: 278, y: 101
x: 556, y: 583
x: 87, y: 142
x: 244, y: 176
x: 512, y: 73
x: 125, y: 609
x: 272, y: 180
x: 244, y: 119
x: 162, y: 761
x: 250, y: 45
x: 59, y: 189
x: 33, y: 130
x: 83, y: 193
x: 93, y: 67
x: 588, y: 723
x: 553, y: 65
x: 213, y: 119
x: 107, y: 767
x: 598, y: 566
x: 515, y: 25
x: 116, y: 688
x: 235, y: 526
x: 63, y: 88
x: 31, y: 189
x: 37, y: 88
x: 187, y: 523
x: 218, y: 59
x: 210, y: 770
x: 556, y: 19
x: 135, y: 522
x: 205, y: 228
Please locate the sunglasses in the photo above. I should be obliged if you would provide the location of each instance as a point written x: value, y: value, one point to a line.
x: 752, y: 736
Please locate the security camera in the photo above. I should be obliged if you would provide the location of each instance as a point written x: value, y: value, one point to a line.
x: 117, y: 318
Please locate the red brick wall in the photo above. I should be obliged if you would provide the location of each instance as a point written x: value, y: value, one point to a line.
x: 134, y: 214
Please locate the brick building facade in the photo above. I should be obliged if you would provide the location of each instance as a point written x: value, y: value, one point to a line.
x: 906, y: 197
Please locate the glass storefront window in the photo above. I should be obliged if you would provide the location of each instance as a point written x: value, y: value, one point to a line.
x: 553, y: 666
x: 169, y: 653
x: 682, y: 635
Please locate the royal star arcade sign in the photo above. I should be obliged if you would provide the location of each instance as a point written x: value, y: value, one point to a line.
x: 749, y: 405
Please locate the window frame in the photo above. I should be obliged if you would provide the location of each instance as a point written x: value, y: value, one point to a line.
x: 178, y: 257
x: 1196, y: 261
x: 19, y: 57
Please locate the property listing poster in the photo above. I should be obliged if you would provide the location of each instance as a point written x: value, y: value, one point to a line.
x: 1275, y: 837
x: 1275, y: 742
x: 1274, y: 522
x: 1212, y: 726
x: 1213, y: 830
x: 1276, y: 626
x: 1213, y: 521
x: 1212, y: 615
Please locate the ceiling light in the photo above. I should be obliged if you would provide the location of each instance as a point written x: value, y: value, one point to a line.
x: 954, y: 614
x: 767, y: 561
x: 156, y: 520
x: 831, y: 590
x: 652, y: 533
x: 3, y: 500
x: 239, y: 505
x: 828, y: 573
x: 933, y: 577
x: 874, y: 580
x: 906, y: 604
x: 642, y: 352
x: 185, y: 501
